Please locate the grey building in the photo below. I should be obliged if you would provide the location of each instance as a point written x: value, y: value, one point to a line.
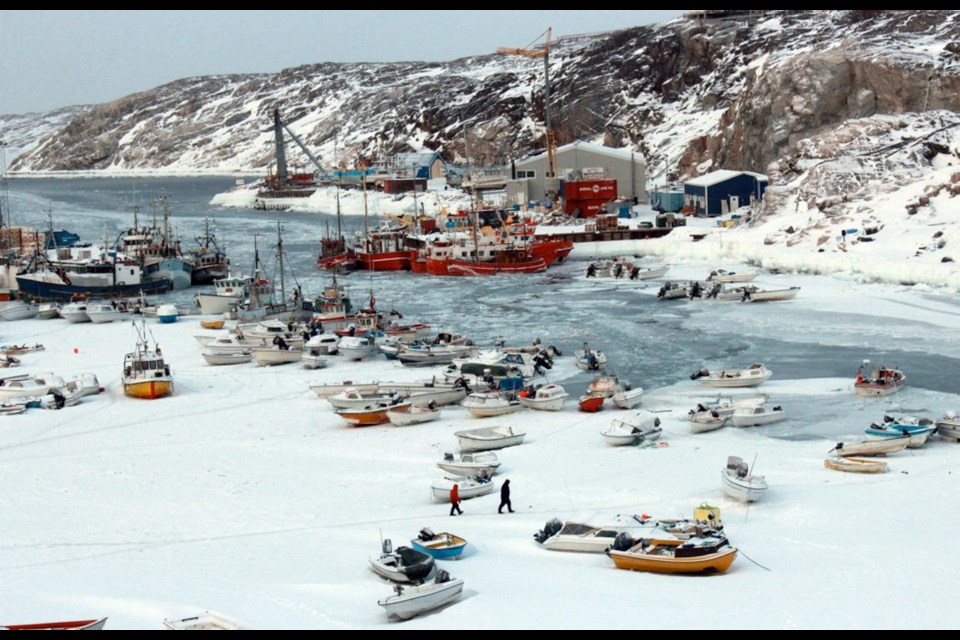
x: 527, y: 179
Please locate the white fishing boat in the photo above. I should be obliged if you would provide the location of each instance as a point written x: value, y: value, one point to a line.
x: 721, y: 275
x: 544, y: 398
x: 726, y: 405
x: 756, y: 374
x: 482, y: 464
x: 229, y: 291
x: 274, y: 355
x: 219, y: 359
x: 413, y: 415
x: 324, y: 344
x: 590, y: 359
x: 29, y: 387
x: 705, y: 420
x: 948, y: 427
x: 325, y: 390
x: 357, y: 348
x: 771, y: 295
x: 757, y: 416
x: 473, y: 487
x: 879, y: 382
x: 641, y: 427
x: 606, y: 385
x: 206, y: 621
x: 48, y: 310
x: 488, y: 438
x: 354, y: 398
x: 104, y: 312
x: 627, y: 398
x: 75, y: 312
x: 85, y: 384
x: 19, y: 310
x: 409, y: 601
x: 739, y: 483
x: 403, y: 564
x: 490, y: 404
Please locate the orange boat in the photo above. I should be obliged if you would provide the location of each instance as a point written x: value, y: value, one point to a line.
x: 592, y: 403
x: 373, y: 415
x: 212, y: 324
x: 707, y: 555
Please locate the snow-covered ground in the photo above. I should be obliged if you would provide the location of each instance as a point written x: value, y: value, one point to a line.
x: 243, y: 493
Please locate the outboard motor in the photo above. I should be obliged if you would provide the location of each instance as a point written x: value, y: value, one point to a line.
x: 549, y: 530
x: 699, y: 374
x: 623, y: 542
x: 427, y: 534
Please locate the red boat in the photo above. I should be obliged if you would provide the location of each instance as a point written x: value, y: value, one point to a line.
x: 71, y: 625
x: 507, y: 261
x: 551, y: 251
x: 592, y: 403
x: 384, y: 250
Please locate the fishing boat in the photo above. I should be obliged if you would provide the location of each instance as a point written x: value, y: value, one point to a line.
x: 75, y: 312
x: 739, y: 483
x: 48, y: 310
x: 754, y: 375
x: 402, y: 564
x: 590, y: 359
x: 210, y: 261
x: 369, y: 416
x: 752, y: 294
x: 948, y: 427
x: 544, y: 398
x: 592, y: 402
x: 855, y: 465
x: 227, y: 292
x: 440, y: 546
x: 712, y: 554
x: 19, y: 310
x: 156, y: 248
x: 721, y: 275
x: 489, y: 438
x: 482, y: 464
x: 104, y: 312
x: 466, y: 487
x: 704, y: 420
x: 145, y: 374
x: 490, y: 404
x: 206, y: 621
x: 219, y: 359
x: 879, y: 382
x: 411, y: 414
x: 633, y: 430
x: 269, y: 356
x: 916, y: 429
x: 757, y: 416
x: 627, y: 398
x: 69, y: 625
x: 409, y: 601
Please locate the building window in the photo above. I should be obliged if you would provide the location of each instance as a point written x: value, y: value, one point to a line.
x: 526, y: 175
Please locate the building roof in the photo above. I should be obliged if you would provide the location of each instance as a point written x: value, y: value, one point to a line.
x: 722, y: 175
x: 619, y: 154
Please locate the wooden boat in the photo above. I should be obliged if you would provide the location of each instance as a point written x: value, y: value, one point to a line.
x: 721, y: 275
x: 470, y: 465
x: 752, y: 376
x: 948, y: 427
x: 879, y: 383
x: 546, y: 398
x: 490, y: 404
x: 467, y: 488
x: 739, y: 483
x: 592, y: 403
x: 409, y: 414
x: 402, y: 564
x: 440, y: 546
x: 369, y: 416
x: 218, y: 359
x: 145, y: 374
x: 627, y: 398
x: 20, y: 349
x: 757, y: 416
x: 855, y: 465
x: 642, y: 427
x: 590, y: 359
x: 489, y: 438
x: 206, y: 621
x: 70, y: 625
x: 871, y: 447
x: 410, y: 601
x: 697, y: 555
x: 212, y: 324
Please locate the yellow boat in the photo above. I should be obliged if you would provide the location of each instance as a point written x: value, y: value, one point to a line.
x: 145, y: 374
x: 212, y: 324
x: 676, y: 556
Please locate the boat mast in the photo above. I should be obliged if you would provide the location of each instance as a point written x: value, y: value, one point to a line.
x: 283, y: 293
x: 366, y: 219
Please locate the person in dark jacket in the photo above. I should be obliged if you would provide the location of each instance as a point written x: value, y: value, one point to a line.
x: 455, y: 500
x: 505, y: 497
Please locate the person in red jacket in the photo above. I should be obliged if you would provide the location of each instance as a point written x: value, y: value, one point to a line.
x: 455, y: 500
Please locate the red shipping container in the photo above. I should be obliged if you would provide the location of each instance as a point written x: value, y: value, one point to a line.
x: 587, y: 208
x: 590, y: 190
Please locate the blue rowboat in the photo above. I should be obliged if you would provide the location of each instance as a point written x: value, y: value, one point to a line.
x: 442, y: 546
x: 917, y: 430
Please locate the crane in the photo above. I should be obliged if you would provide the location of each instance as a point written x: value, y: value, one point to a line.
x: 541, y: 51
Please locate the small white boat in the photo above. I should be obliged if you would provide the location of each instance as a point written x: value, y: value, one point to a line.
x: 75, y: 312
x: 606, y: 385
x: 770, y: 295
x: 578, y: 537
x: 879, y: 382
x: 721, y: 275
x: 466, y: 487
x: 403, y: 564
x: 871, y: 447
x: 409, y: 601
x: 726, y: 405
x: 103, y: 312
x: 352, y: 398
x: 48, y: 310
x: 27, y: 387
x: 332, y: 389
x: 628, y: 398
x: 85, y: 384
x: 488, y: 438
x: 323, y: 344
x: 490, y: 404
x: 413, y: 415
x: 482, y: 464
x: 948, y: 427
x: 274, y: 355
x: 756, y: 374
x: 218, y: 359
x: 590, y: 359
x: 704, y: 421
x: 544, y: 398
x: 357, y: 348
x: 739, y: 483
x: 673, y: 291
x: 757, y: 416
x: 19, y: 310
x: 312, y: 360
x: 641, y: 427
x: 206, y: 621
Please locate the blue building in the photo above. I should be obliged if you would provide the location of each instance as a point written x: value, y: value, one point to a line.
x: 723, y: 191
x: 427, y: 165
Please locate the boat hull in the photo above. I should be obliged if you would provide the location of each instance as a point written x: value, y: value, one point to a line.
x: 445, y: 546
x: 148, y: 389
x: 466, y: 268
x: 712, y: 563
x: 471, y: 442
x: 420, y: 599
x: 855, y: 465
x: 742, y: 490
x: 66, y: 292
